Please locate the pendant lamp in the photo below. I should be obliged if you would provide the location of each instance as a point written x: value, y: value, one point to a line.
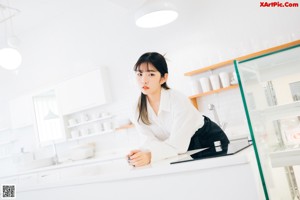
x: 51, y: 115
x: 10, y: 57
x: 155, y: 14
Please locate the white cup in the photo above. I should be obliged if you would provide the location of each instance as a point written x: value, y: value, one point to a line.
x: 84, y: 131
x: 196, y: 87
x: 99, y: 127
x: 75, y: 133
x: 215, y: 81
x: 234, y: 79
x: 107, y: 126
x: 105, y: 114
x: 72, y: 121
x: 224, y: 76
x: 205, y: 84
x: 97, y: 115
x: 84, y: 117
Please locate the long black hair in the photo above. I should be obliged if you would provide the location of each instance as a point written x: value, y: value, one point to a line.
x: 159, y: 62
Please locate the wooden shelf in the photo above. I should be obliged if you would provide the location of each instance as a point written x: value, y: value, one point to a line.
x: 245, y: 57
x: 194, y: 97
x: 127, y: 126
x: 212, y: 67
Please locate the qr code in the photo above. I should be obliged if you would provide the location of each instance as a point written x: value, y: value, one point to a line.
x: 8, y: 191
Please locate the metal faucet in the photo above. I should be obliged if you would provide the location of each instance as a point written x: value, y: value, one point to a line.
x: 217, y: 120
x: 55, y: 158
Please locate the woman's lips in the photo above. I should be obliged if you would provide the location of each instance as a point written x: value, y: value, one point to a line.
x: 145, y: 87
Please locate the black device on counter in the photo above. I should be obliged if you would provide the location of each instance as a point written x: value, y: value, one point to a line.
x: 217, y: 151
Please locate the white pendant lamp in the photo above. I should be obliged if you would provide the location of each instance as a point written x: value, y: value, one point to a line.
x: 155, y: 14
x: 50, y: 115
x: 10, y: 58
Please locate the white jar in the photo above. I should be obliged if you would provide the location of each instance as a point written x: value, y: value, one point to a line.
x: 205, y: 84
x: 224, y: 76
x: 196, y: 87
x: 234, y: 79
x: 215, y: 81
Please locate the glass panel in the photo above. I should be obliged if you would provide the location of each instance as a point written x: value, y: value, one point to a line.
x: 268, y: 88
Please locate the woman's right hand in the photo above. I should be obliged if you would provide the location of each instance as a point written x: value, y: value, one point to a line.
x: 139, y: 158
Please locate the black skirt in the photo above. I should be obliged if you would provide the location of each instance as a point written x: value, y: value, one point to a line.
x: 209, y: 133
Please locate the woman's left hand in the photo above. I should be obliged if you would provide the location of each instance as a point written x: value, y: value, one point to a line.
x: 139, y: 158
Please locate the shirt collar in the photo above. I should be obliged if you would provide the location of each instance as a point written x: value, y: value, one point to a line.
x: 165, y: 101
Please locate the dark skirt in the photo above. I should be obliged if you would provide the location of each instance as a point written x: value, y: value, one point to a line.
x: 209, y: 133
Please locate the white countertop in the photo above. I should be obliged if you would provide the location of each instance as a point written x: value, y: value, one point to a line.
x: 95, y: 160
x: 116, y: 168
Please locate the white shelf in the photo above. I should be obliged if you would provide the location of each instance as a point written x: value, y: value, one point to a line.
x: 279, y: 112
x: 91, y: 121
x: 286, y: 157
x: 91, y: 135
x: 84, y: 137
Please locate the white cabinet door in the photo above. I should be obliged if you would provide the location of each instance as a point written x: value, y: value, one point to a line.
x: 21, y: 111
x: 83, y: 92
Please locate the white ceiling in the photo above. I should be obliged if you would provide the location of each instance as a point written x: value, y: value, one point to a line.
x: 212, y: 23
x: 36, y: 12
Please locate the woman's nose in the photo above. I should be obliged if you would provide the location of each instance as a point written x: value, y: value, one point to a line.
x: 145, y: 79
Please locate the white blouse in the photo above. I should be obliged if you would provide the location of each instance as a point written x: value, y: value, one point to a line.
x: 170, y: 131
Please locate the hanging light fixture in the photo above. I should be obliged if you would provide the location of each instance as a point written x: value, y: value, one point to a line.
x: 155, y: 13
x: 51, y: 115
x: 10, y: 57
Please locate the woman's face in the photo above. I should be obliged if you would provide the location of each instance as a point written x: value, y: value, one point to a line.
x: 149, y: 79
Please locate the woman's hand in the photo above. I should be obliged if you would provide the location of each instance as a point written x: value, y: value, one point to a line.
x: 139, y: 158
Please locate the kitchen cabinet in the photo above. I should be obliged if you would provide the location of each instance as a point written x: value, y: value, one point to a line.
x: 83, y: 92
x: 229, y: 64
x: 21, y: 111
x: 273, y: 116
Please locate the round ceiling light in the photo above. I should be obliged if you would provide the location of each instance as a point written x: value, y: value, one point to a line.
x: 10, y: 58
x: 155, y: 14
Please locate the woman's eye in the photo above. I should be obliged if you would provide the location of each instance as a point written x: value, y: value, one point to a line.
x: 139, y: 74
x: 152, y: 74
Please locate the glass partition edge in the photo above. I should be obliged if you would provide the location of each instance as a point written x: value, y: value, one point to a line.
x: 251, y: 131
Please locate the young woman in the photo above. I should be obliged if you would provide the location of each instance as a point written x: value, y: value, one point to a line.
x: 167, y: 118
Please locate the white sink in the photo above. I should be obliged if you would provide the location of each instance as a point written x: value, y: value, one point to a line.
x: 36, y: 163
x: 77, y: 153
